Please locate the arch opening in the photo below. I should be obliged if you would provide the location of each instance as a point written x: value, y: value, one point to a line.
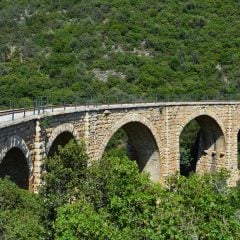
x: 202, y: 146
x: 15, y: 165
x: 61, y: 140
x: 136, y: 141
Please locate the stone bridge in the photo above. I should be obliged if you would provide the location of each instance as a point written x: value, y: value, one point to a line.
x: 153, y: 129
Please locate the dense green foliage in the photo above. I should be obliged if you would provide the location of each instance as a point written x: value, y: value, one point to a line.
x: 124, y: 204
x: 20, y: 213
x: 111, y: 200
x: 63, y: 49
x: 67, y: 171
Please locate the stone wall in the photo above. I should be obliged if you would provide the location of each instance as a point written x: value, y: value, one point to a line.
x: 21, y: 136
x: 154, y: 129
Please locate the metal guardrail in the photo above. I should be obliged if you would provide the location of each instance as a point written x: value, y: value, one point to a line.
x: 34, y: 110
x: 43, y: 104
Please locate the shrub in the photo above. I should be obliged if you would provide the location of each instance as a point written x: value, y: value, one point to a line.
x: 20, y: 213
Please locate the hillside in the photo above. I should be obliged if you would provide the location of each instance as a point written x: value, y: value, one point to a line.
x: 65, y: 49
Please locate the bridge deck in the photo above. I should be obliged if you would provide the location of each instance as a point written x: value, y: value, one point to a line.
x: 10, y: 117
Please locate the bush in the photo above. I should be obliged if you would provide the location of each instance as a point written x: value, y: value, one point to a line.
x: 20, y: 213
x: 63, y: 181
x: 111, y: 200
x: 118, y: 203
x: 121, y: 203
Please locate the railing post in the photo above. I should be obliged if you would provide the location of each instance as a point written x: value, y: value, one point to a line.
x: 12, y: 107
x: 34, y: 105
x: 38, y: 106
x: 47, y: 101
x: 24, y: 110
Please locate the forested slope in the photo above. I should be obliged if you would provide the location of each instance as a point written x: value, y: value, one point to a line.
x: 68, y: 48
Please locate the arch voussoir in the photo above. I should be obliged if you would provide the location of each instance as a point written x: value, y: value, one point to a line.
x: 125, y: 120
x: 199, y: 113
x: 208, y: 153
x: 66, y: 127
x: 17, y: 142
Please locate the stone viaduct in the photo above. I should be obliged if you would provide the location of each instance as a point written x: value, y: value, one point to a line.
x: 153, y: 129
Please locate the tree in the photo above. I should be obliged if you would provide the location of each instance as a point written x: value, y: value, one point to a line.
x: 20, y: 213
x: 66, y: 173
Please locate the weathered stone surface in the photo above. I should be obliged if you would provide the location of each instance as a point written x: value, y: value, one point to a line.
x: 153, y: 129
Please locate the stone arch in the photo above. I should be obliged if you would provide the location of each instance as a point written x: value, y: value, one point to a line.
x: 138, y: 128
x: 196, y: 114
x: 211, y: 148
x: 16, y: 145
x: 66, y: 130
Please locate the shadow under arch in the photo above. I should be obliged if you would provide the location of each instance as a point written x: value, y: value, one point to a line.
x: 142, y: 144
x: 16, y: 163
x: 60, y: 137
x: 208, y: 149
